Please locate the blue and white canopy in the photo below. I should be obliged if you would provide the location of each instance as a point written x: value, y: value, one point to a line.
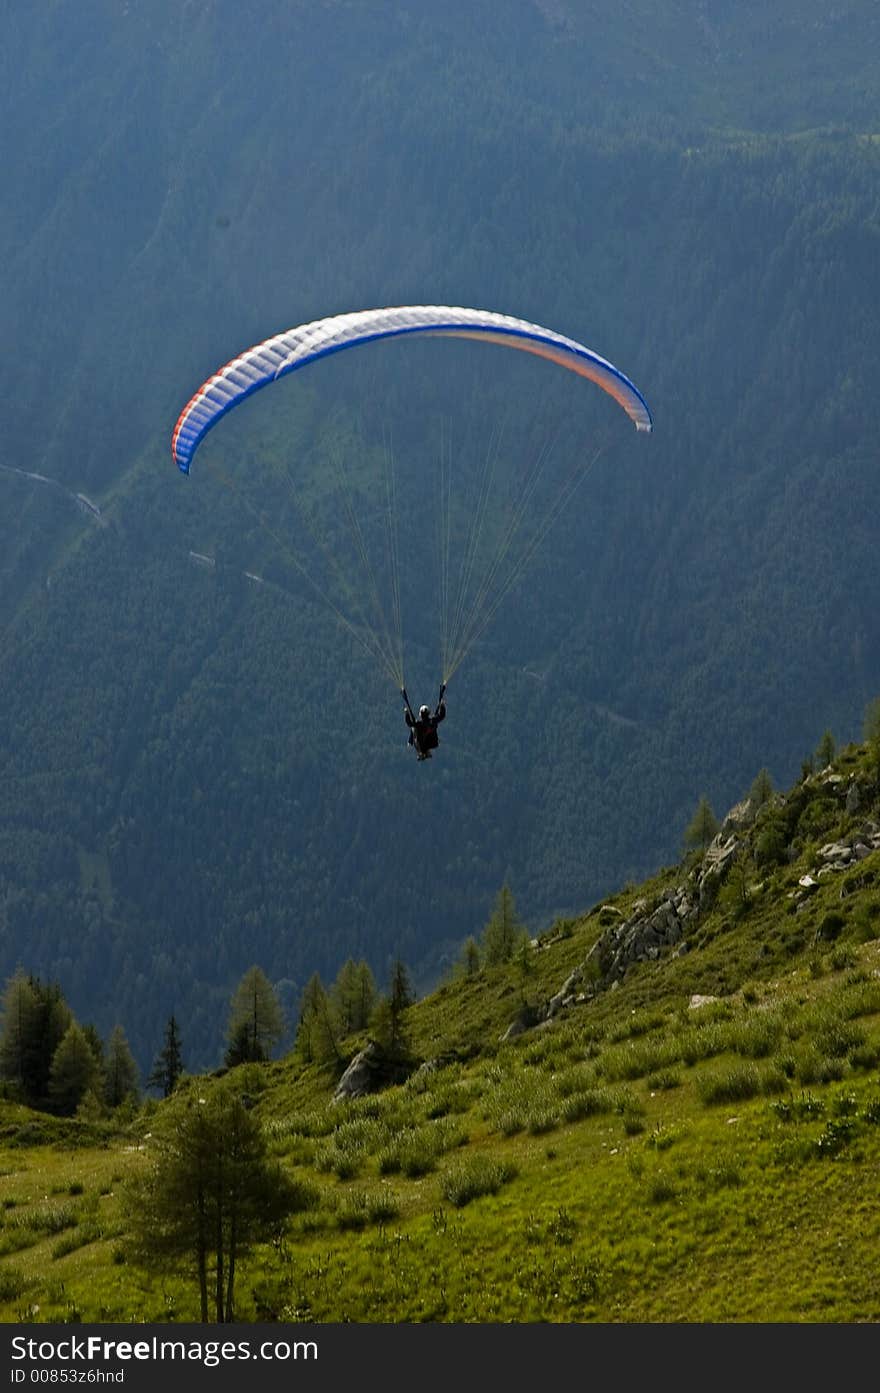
x: 284, y: 353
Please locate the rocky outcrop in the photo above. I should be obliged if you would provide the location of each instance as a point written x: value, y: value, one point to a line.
x: 369, y: 1071
x: 653, y: 929
x: 836, y: 857
x: 839, y: 856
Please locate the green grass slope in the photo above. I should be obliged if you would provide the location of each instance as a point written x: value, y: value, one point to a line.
x: 696, y: 1139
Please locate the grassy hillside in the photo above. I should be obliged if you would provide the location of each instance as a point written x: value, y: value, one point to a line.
x: 695, y: 1140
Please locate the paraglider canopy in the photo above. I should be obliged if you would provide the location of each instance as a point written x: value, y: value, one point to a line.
x: 285, y: 353
x: 494, y: 547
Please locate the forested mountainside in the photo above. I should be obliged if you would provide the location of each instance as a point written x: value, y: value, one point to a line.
x: 200, y: 771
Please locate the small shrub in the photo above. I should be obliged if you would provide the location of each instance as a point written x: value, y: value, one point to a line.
x: 832, y: 1070
x: 842, y: 957
x: 625, y: 1101
x: 702, y: 1042
x: 837, y: 1135
x: 732, y: 1085
x: 13, y: 1283
x: 808, y: 1065
x: 726, y: 1176
x: 633, y: 1123
x: 79, y: 1237
x: 866, y: 918
x: 543, y: 1120
x: 54, y: 1219
x: 509, y: 1121
x: 562, y: 1227
x: 871, y: 1112
x: 360, y: 1209
x: 417, y: 1159
x: 473, y: 1178
x: 661, y: 1189
x: 844, y: 1105
x: 831, y: 926
x: 638, y: 1023
x: 774, y: 1080
x: 345, y: 1166
x: 865, y: 1056
x: 798, y: 1109
x: 838, y: 1038
x: 756, y: 1037
x: 786, y: 1064
x: 666, y: 1079
x: 662, y: 1137
x: 591, y: 1103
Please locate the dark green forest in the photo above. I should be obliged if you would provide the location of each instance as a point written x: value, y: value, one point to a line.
x: 198, y: 770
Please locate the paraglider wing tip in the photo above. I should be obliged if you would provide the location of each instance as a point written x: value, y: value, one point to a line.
x: 645, y: 426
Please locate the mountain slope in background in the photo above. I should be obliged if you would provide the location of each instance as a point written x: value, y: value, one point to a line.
x: 694, y: 195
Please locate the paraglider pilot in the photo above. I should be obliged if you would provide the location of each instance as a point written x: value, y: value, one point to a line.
x: 423, y: 728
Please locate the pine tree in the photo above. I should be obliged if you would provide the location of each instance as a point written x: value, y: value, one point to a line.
x: 121, y: 1079
x: 168, y: 1065
x: 74, y: 1071
x: 388, y: 1025
x: 96, y: 1044
x: 365, y: 998
x: 256, y: 1021
x: 761, y: 790
x: 18, y: 1040
x: 35, y: 1018
x: 469, y: 962
x: 826, y: 750
x: 352, y: 997
x: 317, y: 1034
x: 702, y: 828
x: 54, y: 1018
x: 503, y: 932
x: 211, y: 1194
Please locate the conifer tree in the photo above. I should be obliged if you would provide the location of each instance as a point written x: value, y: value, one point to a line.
x: 168, y: 1064
x: 74, y: 1071
x: 702, y: 827
x: 388, y: 1025
x: 96, y: 1044
x: 317, y: 1033
x: 18, y: 1040
x: 504, y: 930
x: 35, y: 1018
x: 256, y: 1021
x: 211, y: 1194
x: 469, y: 962
x: 352, y: 997
x: 760, y: 792
x: 826, y: 750
x: 365, y: 998
x: 121, y: 1078
x: 54, y: 1017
